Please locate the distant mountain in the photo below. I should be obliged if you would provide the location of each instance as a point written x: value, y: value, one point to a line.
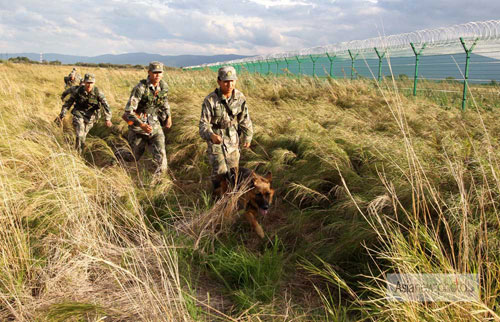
x: 132, y: 58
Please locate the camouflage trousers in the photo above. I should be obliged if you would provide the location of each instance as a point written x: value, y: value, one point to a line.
x: 82, y: 128
x: 155, y: 142
x: 222, y: 164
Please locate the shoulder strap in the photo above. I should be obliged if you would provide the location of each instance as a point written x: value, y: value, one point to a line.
x: 228, y: 110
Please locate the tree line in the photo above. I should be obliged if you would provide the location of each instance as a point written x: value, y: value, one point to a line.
x: 26, y: 60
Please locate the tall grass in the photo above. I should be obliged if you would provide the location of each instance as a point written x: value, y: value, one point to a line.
x: 72, y: 233
x: 368, y: 182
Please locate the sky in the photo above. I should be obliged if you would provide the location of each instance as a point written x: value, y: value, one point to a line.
x: 246, y: 27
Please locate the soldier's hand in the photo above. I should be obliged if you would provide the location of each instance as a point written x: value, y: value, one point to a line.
x: 109, y: 124
x: 169, y: 123
x: 146, y: 128
x: 246, y: 145
x: 216, y: 139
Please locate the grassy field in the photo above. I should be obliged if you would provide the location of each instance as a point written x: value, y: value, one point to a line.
x: 368, y: 181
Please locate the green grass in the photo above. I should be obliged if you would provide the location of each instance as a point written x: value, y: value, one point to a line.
x: 249, y: 278
x: 74, y: 311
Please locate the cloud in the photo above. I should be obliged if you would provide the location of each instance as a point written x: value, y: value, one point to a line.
x: 281, y: 3
x: 93, y: 27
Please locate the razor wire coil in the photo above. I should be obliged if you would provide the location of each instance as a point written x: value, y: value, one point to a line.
x: 444, y: 38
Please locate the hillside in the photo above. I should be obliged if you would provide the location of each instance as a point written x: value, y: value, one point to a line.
x: 368, y: 182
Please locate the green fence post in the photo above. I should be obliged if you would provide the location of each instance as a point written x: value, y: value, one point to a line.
x: 260, y: 67
x: 380, y: 57
x: 277, y: 66
x: 331, y: 58
x: 314, y: 64
x: 288, y: 67
x: 268, y: 67
x: 353, y: 58
x: 466, y: 76
x: 417, y: 59
x: 300, y: 70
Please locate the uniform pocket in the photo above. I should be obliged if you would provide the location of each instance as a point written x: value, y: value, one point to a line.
x: 218, y: 111
x: 236, y: 110
x: 215, y: 148
x: 233, y: 135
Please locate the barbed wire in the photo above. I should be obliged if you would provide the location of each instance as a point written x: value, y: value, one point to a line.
x: 434, y: 39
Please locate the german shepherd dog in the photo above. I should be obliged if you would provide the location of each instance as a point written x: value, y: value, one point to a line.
x: 256, y: 199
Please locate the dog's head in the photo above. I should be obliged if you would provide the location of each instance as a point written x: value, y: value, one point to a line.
x: 261, y: 193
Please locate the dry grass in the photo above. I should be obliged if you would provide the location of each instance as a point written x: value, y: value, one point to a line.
x: 74, y: 239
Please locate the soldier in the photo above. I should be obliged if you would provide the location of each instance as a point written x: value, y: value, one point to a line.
x: 73, y: 79
x: 88, y: 101
x: 147, y: 110
x: 224, y: 123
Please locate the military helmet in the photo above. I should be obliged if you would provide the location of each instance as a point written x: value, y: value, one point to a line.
x: 89, y: 78
x: 155, y: 66
x: 227, y: 73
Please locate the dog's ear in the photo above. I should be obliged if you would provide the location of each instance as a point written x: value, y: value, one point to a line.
x: 253, y: 178
x: 269, y: 176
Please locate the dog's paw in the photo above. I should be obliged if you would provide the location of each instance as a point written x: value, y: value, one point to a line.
x: 259, y: 231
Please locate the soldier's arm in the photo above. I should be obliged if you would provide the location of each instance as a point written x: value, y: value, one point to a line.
x: 165, y: 107
x: 67, y: 105
x: 65, y: 93
x: 105, y: 106
x: 132, y: 105
x: 164, y: 114
x: 205, y: 126
x: 168, y: 116
x: 245, y: 124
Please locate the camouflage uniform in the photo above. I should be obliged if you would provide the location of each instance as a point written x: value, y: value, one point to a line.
x: 68, y: 83
x: 86, y: 110
x: 148, y: 104
x: 229, y: 119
